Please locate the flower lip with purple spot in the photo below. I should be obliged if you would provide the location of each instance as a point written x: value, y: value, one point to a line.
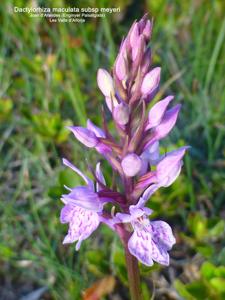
x: 150, y: 240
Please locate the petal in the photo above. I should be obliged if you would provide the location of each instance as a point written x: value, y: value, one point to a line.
x: 153, y: 148
x: 66, y: 213
x: 167, y: 123
x: 111, y: 102
x: 137, y: 211
x: 81, y: 226
x: 109, y: 222
x: 140, y: 246
x: 148, y: 211
x: 150, y: 149
x: 103, y: 149
x: 144, y: 165
x: 78, y: 244
x: 157, y: 112
x: 147, y: 194
x: 99, y: 176
x: 169, y: 167
x: 123, y: 218
x: 159, y: 254
x: 145, y: 181
x: 154, y: 157
x: 151, y: 154
x: 84, y: 197
x: 105, y: 83
x: 67, y: 188
x: 84, y: 135
x: 95, y: 129
x: 74, y: 168
x: 172, y: 176
x: 151, y: 81
x: 162, y: 234
x: 170, y: 160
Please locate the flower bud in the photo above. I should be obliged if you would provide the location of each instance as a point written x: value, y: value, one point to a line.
x: 139, y: 48
x: 120, y: 67
x: 125, y: 47
x: 84, y: 135
x: 157, y: 112
x: 121, y: 114
x: 134, y: 34
x: 105, y: 83
x: 131, y: 164
x: 142, y: 22
x: 151, y: 81
x: 146, y: 61
x: 147, y: 30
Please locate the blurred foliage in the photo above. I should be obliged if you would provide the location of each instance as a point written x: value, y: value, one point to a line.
x: 50, y: 126
x: 48, y: 81
x: 210, y: 285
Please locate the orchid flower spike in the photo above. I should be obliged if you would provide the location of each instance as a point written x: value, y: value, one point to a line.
x: 133, y: 152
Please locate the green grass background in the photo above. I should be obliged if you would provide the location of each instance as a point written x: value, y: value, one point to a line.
x: 48, y: 81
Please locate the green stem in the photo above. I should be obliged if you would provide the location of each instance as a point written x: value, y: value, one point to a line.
x: 133, y: 275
